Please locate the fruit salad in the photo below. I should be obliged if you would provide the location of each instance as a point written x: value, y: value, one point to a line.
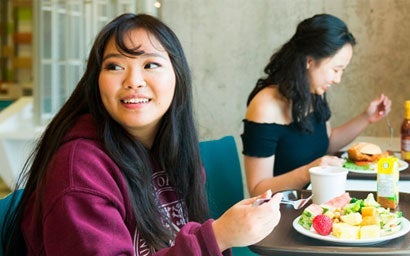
x: 351, y: 218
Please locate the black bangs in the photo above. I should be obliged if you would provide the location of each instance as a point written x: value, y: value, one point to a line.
x: 122, y: 35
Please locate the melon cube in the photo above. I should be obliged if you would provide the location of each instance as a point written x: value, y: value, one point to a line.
x: 329, y: 214
x: 368, y: 211
x: 370, y: 220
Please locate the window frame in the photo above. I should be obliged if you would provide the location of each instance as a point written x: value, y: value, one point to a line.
x: 63, y: 33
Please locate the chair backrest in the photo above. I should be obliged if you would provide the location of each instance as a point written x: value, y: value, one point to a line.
x: 223, y: 174
x: 9, y: 203
x: 223, y: 179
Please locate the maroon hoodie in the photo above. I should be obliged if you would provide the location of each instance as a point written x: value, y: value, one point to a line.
x: 86, y: 208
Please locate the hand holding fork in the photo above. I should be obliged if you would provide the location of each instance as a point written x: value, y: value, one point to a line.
x: 297, y: 204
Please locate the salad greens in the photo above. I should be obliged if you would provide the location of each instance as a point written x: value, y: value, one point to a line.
x: 356, y: 205
x: 349, y: 164
x: 306, y: 219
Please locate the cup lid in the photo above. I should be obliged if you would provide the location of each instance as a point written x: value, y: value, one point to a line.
x: 328, y: 170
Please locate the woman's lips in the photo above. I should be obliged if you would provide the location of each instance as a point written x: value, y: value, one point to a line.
x: 327, y: 86
x: 139, y: 98
x: 135, y: 100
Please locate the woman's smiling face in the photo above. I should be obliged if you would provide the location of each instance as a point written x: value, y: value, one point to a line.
x: 137, y: 90
x: 327, y: 72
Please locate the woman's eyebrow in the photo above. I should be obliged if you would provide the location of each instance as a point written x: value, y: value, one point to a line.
x: 340, y: 66
x: 112, y: 55
x: 153, y: 54
x: 144, y: 54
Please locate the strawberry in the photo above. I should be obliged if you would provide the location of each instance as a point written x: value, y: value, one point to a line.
x: 322, y: 224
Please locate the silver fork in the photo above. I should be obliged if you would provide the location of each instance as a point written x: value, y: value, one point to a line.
x: 391, y: 130
x: 297, y: 204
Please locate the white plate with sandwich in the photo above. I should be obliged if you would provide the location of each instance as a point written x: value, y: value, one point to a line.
x: 404, y: 229
x: 362, y: 157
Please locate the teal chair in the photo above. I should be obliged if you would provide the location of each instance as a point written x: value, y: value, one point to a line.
x: 223, y: 178
x: 9, y: 202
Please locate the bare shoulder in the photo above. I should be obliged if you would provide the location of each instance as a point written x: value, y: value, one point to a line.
x: 269, y: 106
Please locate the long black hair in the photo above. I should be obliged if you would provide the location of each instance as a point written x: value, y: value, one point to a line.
x: 318, y: 37
x: 175, y: 145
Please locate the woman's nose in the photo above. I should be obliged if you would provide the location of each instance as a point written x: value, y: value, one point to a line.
x: 134, y: 81
x: 141, y: 83
x: 337, y: 79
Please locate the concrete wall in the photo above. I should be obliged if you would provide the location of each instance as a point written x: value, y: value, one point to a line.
x: 228, y: 43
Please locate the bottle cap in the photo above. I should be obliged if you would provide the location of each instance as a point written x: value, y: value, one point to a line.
x: 407, y: 104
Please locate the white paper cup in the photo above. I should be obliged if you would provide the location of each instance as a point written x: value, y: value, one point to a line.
x: 327, y: 182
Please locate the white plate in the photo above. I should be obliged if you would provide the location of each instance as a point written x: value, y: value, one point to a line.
x: 403, y: 165
x: 405, y: 228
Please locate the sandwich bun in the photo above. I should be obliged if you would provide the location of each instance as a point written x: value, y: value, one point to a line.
x: 365, y: 153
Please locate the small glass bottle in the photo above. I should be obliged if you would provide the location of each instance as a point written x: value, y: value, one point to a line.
x: 405, y: 133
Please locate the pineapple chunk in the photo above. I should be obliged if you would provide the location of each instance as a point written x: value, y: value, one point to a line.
x: 353, y: 218
x: 345, y: 231
x: 370, y: 231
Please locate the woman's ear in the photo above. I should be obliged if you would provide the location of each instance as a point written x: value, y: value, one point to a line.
x: 309, y: 61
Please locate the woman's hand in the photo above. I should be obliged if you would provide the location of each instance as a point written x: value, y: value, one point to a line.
x: 378, y: 108
x: 244, y: 224
x: 326, y: 161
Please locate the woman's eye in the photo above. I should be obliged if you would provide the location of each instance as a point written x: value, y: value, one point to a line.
x: 151, y: 65
x: 112, y: 66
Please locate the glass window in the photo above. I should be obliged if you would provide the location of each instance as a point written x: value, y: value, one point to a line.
x: 63, y: 34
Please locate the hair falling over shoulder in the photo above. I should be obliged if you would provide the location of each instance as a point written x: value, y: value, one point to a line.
x: 318, y: 37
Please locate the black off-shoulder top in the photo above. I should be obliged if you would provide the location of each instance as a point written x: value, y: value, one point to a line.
x: 292, y: 147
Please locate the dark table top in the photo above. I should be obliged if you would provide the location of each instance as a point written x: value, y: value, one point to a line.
x: 285, y: 240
